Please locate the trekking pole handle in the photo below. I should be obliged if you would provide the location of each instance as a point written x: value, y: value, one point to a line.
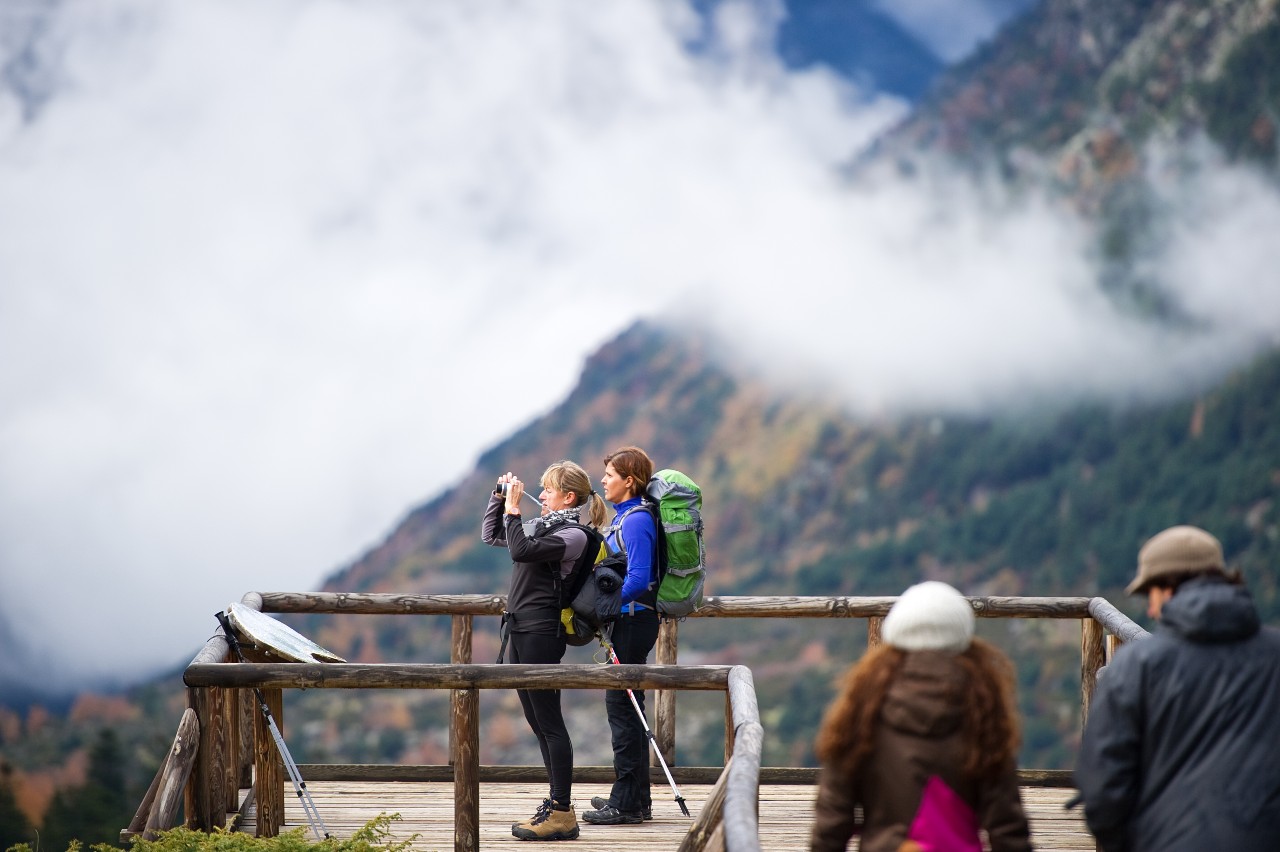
x: 230, y: 634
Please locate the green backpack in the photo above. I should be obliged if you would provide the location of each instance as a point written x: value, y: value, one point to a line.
x: 680, y: 547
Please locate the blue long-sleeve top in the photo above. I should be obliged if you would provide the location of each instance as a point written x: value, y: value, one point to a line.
x: 640, y: 540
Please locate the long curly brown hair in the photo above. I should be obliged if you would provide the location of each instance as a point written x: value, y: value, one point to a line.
x: 991, y: 729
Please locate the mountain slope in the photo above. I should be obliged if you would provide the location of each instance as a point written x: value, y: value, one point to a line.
x: 793, y: 484
x: 1085, y: 84
x: 1126, y: 111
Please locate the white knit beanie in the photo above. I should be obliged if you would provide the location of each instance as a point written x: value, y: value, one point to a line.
x: 931, y: 616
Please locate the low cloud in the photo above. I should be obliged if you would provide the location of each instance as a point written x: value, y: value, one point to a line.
x: 948, y: 295
x: 274, y: 272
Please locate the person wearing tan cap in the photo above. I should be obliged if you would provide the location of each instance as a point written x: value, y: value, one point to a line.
x: 1181, y: 748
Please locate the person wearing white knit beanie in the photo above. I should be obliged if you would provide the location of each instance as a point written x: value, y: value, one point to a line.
x: 930, y: 616
x: 919, y: 746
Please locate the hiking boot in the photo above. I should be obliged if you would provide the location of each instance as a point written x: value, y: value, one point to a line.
x: 540, y: 813
x: 609, y: 815
x: 548, y: 823
x: 600, y: 803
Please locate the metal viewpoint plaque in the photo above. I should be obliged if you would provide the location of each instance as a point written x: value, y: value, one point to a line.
x: 275, y: 638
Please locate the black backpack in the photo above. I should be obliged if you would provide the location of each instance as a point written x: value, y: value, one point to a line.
x: 591, y: 595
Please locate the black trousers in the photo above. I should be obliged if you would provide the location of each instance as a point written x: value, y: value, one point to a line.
x: 542, y: 711
x: 633, y: 638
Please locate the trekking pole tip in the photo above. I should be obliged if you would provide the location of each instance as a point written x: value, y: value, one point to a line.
x: 684, y: 809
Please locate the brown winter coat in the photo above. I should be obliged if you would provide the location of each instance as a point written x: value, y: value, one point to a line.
x: 920, y: 735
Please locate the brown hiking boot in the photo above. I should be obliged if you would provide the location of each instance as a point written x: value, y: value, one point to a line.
x: 540, y: 813
x: 548, y: 823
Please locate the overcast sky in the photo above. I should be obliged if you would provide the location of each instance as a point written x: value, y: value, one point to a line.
x: 264, y: 264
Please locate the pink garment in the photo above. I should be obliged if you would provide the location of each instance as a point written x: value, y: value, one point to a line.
x: 944, y: 822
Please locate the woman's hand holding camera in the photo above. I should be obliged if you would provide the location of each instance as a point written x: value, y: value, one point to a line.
x: 510, y: 486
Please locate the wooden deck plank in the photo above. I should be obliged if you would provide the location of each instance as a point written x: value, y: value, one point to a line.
x: 786, y: 812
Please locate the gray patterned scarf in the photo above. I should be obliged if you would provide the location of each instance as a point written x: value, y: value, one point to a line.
x: 559, y: 516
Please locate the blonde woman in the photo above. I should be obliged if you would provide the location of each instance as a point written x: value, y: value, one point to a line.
x: 540, y: 560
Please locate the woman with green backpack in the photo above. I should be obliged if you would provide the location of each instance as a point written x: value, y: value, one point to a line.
x: 634, y: 532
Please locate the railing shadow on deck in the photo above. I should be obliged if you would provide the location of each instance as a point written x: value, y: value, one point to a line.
x: 224, y: 746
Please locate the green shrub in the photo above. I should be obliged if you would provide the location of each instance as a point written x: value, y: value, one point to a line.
x: 375, y: 836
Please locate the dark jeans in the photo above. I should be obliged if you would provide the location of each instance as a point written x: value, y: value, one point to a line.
x: 633, y: 639
x: 542, y: 710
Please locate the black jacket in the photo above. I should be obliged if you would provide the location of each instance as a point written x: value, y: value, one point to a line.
x: 1182, y: 748
x: 540, y: 559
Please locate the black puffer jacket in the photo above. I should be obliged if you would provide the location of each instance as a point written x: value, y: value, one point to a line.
x: 1182, y: 749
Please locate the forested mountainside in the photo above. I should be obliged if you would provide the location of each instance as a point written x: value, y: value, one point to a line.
x: 1081, y: 86
x: 1114, y: 107
x: 805, y: 499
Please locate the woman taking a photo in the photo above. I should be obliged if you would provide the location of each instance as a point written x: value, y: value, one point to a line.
x: 634, y: 532
x: 923, y: 735
x: 540, y: 560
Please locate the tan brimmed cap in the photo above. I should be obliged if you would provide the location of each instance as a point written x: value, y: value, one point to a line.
x: 1176, y: 551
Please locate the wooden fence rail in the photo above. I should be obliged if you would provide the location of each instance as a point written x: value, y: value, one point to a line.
x: 1102, y: 627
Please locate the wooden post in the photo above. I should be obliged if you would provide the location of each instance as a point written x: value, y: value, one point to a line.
x: 709, y: 815
x: 206, y: 796
x: 459, y: 654
x: 231, y: 776
x: 874, y: 624
x: 728, y: 728
x: 248, y: 707
x: 1114, y: 643
x: 466, y: 772
x: 173, y: 777
x: 267, y: 766
x: 741, y: 817
x: 140, y: 817
x: 664, y: 714
x: 1092, y: 658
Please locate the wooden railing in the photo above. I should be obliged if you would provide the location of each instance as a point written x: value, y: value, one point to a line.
x: 230, y: 738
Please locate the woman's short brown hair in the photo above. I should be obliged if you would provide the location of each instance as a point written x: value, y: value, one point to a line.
x: 631, y: 462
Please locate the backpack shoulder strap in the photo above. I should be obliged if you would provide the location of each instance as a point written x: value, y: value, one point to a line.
x: 568, y: 587
x: 659, y: 536
x: 616, y: 527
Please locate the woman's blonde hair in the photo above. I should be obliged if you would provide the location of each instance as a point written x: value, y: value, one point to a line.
x: 991, y: 730
x: 570, y: 478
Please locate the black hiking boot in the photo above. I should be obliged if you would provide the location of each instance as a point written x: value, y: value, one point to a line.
x: 609, y: 815
x: 600, y: 803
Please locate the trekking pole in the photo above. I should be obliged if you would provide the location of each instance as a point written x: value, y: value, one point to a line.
x: 608, y: 646
x: 299, y: 786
